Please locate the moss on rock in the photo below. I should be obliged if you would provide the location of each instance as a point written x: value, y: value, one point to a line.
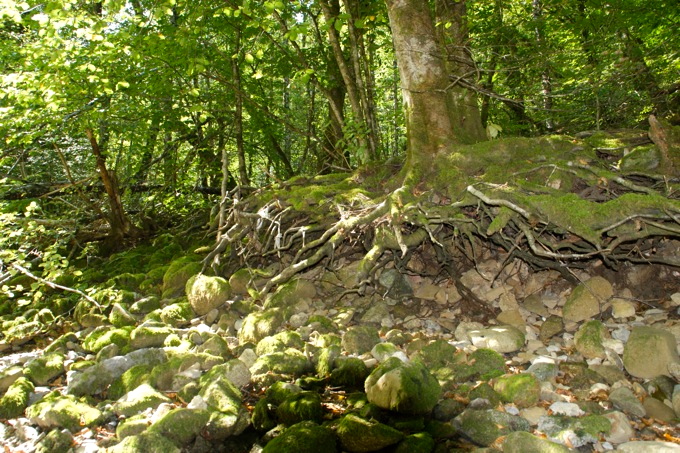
x: 43, y: 369
x: 523, y: 390
x: 14, y: 401
x: 304, y: 437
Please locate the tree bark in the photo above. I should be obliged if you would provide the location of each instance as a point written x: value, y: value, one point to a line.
x: 121, y: 226
x: 435, y: 123
x: 238, y: 114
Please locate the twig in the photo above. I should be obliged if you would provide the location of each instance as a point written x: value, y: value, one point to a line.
x: 53, y: 285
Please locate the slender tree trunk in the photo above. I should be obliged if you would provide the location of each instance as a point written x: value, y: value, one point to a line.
x: 238, y: 114
x: 121, y: 226
x: 546, y: 80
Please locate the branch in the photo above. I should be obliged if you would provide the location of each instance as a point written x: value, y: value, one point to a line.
x: 53, y: 285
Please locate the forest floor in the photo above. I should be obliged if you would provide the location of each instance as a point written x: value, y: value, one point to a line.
x: 339, y: 314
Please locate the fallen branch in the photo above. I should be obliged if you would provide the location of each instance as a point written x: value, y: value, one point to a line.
x: 53, y: 285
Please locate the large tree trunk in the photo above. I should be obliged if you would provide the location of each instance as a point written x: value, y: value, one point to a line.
x: 434, y: 124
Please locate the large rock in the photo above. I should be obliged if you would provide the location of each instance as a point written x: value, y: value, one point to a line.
x: 205, y: 293
x: 649, y: 351
x: 360, y: 339
x: 63, y: 411
x: 523, y: 389
x: 589, y: 339
x: 501, y: 339
x: 305, y: 437
x: 584, y: 301
x: 359, y: 435
x: 485, y: 426
x: 260, y: 324
x: 524, y: 442
x: 407, y: 388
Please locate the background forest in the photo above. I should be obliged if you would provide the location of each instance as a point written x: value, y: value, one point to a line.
x: 230, y: 196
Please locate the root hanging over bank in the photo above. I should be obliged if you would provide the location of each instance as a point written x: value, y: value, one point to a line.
x: 555, y: 203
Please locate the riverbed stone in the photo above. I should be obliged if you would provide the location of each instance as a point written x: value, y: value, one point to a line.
x: 205, y: 293
x: 658, y: 410
x: 62, y: 411
x: 15, y: 399
x: 139, y: 399
x: 503, y: 339
x: 589, y: 338
x: 407, y: 388
x: 524, y: 442
x: 641, y: 446
x: 43, y: 369
x: 260, y: 324
x: 485, y: 426
x: 523, y: 390
x: 621, y: 429
x: 360, y: 339
x: 181, y: 425
x: 624, y: 399
x: 359, y: 435
x: 649, y: 352
x: 303, y: 437
x: 584, y: 301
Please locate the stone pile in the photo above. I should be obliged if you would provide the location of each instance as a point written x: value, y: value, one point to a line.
x: 558, y: 367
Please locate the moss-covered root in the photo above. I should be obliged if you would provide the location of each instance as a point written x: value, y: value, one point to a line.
x: 15, y: 400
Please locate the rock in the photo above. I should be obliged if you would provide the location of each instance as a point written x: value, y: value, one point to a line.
x: 291, y: 362
x: 360, y: 339
x: 575, y: 432
x: 512, y: 318
x: 621, y: 430
x: 359, y: 435
x: 676, y: 400
x: 326, y: 360
x: 544, y: 371
x: 177, y: 314
x: 416, y: 443
x: 649, y: 352
x: 622, y: 308
x: 279, y: 342
x: 205, y: 293
x: 291, y: 293
x: 139, y: 399
x: 383, y: 351
x: 485, y: 426
x: 524, y: 442
x: 534, y: 304
x: 503, y: 339
x: 533, y: 414
x: 99, y: 376
x: 658, y: 410
x: 63, y: 411
x: 461, y: 332
x: 228, y: 417
x: 551, y: 327
x: 623, y: 398
x: 120, y: 317
x: 260, y: 324
x: 15, y: 400
x: 8, y: 376
x: 588, y: 339
x: 349, y: 372
x: 523, y: 390
x: 407, y: 388
x: 43, y: 369
x: 376, y: 313
x: 396, y: 283
x: 584, y: 301
x: 300, y: 407
x: 304, y: 437
x: 146, y: 336
x: 103, y: 336
x: 148, y: 442
x: 564, y: 408
x: 56, y: 441
x: 648, y: 447
x: 181, y: 425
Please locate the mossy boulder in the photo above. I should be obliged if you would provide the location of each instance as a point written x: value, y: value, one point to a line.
x: 350, y: 372
x: 360, y: 339
x: 589, y: 339
x: 416, y: 443
x: 503, y: 339
x: 649, y: 352
x: 290, y: 362
x: 483, y: 427
x: 43, y: 369
x: 359, y: 435
x: 260, y: 324
x: 104, y: 336
x: 486, y: 363
x: 523, y: 389
x: 326, y: 359
x: 584, y: 301
x: 142, y: 397
x: 56, y: 441
x: 279, y: 342
x: 303, y: 437
x: 148, y: 336
x: 577, y: 431
x: 524, y: 442
x: 178, y: 274
x: 300, y: 407
x: 437, y: 354
x: 177, y: 314
x: 63, y: 411
x: 404, y: 387
x: 148, y: 442
x: 129, y: 380
x: 205, y: 293
x: 15, y: 399
x: 181, y: 425
x: 290, y: 294
x: 119, y: 316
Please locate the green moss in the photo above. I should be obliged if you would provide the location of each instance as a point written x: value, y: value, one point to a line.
x: 350, y: 372
x: 487, y: 363
x: 64, y: 411
x: 147, y: 442
x: 177, y: 314
x: 129, y: 380
x: 181, y: 425
x: 291, y: 362
x: 304, y: 437
x: 416, y: 443
x: 141, y: 398
x: 261, y: 324
x: 15, y: 400
x: 521, y: 389
x: 101, y: 337
x: 299, y: 407
x: 43, y: 369
x: 279, y: 342
x: 357, y: 434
